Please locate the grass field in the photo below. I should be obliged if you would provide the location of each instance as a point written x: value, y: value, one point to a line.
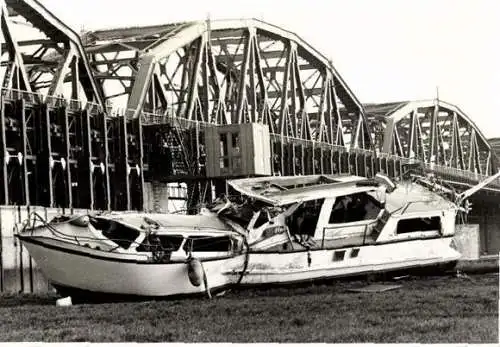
x: 424, y: 310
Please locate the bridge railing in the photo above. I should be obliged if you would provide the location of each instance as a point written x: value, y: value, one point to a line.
x: 169, y: 117
x: 50, y: 100
x: 18, y: 94
x: 444, y: 171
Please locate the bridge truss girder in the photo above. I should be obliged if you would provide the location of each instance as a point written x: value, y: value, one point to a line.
x: 42, y: 57
x: 227, y: 72
x: 433, y: 132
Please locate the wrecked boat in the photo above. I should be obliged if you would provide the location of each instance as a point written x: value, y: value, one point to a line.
x: 276, y: 230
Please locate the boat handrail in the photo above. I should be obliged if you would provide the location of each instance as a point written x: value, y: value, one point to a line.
x: 65, y: 236
x: 366, y: 225
x: 54, y: 231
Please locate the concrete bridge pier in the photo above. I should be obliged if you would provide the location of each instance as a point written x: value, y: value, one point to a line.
x: 486, y: 213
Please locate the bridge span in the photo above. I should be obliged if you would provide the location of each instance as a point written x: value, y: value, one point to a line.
x: 111, y: 119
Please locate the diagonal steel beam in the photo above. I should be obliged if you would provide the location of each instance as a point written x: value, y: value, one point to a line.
x: 63, y: 69
x: 13, y: 48
x: 195, y: 75
x: 244, y: 76
x: 283, y: 120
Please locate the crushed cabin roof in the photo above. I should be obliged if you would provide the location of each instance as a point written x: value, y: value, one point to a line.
x: 282, y: 190
x: 418, y: 198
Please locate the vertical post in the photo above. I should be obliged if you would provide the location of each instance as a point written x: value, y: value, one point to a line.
x: 302, y: 159
x: 282, y: 155
x: 106, y: 161
x: 140, y: 203
x: 67, y: 157
x: 4, y: 153
x: 123, y: 161
x: 86, y: 170
x: 273, y: 168
x: 21, y: 112
x: 45, y: 170
x: 313, y: 158
x: 321, y: 160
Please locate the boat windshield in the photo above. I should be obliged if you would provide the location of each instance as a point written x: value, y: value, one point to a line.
x: 353, y: 208
x: 120, y: 234
x: 154, y: 241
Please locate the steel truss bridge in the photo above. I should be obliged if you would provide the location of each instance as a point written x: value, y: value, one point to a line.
x: 87, y: 119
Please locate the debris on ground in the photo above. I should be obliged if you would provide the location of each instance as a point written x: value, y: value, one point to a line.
x: 221, y: 293
x: 375, y: 288
x: 397, y: 278
x: 460, y: 274
x: 64, y: 301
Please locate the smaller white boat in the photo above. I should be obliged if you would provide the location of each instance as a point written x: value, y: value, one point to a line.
x: 279, y: 230
x: 134, y: 254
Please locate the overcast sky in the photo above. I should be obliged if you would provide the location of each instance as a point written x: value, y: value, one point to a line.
x: 385, y: 50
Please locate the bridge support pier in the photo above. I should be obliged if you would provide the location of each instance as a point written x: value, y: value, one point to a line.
x: 486, y: 213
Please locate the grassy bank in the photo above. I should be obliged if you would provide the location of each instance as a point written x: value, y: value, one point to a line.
x: 424, y: 310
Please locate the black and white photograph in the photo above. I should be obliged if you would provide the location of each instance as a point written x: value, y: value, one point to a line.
x: 249, y: 171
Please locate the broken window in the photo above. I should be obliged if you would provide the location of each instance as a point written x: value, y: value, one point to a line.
x: 354, y: 208
x: 304, y: 220
x: 208, y: 244
x: 116, y: 232
x: 418, y: 224
x: 164, y: 242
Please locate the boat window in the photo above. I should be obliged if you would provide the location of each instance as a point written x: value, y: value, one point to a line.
x: 116, y: 232
x: 208, y: 244
x: 418, y: 224
x: 224, y: 151
x: 338, y: 255
x: 354, y: 252
x: 353, y: 208
x: 304, y: 219
x: 164, y: 242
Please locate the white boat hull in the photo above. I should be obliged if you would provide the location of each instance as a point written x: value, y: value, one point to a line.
x: 271, y: 268
x: 94, y: 271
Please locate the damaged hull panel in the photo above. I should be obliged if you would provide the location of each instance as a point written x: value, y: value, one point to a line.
x: 272, y: 268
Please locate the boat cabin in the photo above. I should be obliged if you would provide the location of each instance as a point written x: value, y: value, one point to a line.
x: 166, y: 239
x: 348, y: 212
